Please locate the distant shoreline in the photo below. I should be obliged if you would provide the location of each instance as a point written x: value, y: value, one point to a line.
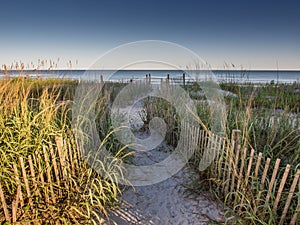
x: 228, y: 76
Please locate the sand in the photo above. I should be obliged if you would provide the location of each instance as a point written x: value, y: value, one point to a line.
x: 167, y: 202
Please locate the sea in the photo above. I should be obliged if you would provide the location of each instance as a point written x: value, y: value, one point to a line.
x: 238, y: 76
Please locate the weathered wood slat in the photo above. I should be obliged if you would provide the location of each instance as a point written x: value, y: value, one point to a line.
x: 296, y: 215
x: 221, y: 159
x: 61, y: 154
x: 55, y: 168
x: 33, y: 177
x: 281, y: 186
x: 243, y: 159
x: 25, y: 180
x: 262, y: 183
x: 4, y: 205
x: 225, y: 180
x: 272, y: 181
x: 41, y: 176
x: 19, y: 187
x: 69, y: 148
x: 257, y: 165
x: 236, y: 152
x: 48, y: 174
x: 289, y: 198
x: 247, y: 177
x: 230, y: 164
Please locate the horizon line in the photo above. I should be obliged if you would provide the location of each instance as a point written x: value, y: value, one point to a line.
x: 148, y: 69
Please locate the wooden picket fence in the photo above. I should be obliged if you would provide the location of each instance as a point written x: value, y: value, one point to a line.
x: 42, y: 180
x: 247, y: 181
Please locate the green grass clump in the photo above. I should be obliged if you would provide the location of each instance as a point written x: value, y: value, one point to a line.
x: 268, y: 118
x: 33, y: 114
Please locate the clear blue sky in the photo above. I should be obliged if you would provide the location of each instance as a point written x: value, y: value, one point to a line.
x: 255, y: 34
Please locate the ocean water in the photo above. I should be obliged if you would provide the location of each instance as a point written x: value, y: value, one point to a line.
x: 252, y: 76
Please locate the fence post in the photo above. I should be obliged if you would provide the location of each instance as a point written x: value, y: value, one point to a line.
x: 168, y: 81
x: 183, y: 78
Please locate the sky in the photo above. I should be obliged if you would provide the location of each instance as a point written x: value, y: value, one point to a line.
x: 256, y: 34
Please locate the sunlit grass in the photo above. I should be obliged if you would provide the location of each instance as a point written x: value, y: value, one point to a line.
x: 33, y: 114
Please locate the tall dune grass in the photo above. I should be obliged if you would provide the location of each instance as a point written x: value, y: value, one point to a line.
x: 268, y: 118
x: 33, y: 113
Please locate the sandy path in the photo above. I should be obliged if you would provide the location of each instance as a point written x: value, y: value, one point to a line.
x: 167, y: 202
